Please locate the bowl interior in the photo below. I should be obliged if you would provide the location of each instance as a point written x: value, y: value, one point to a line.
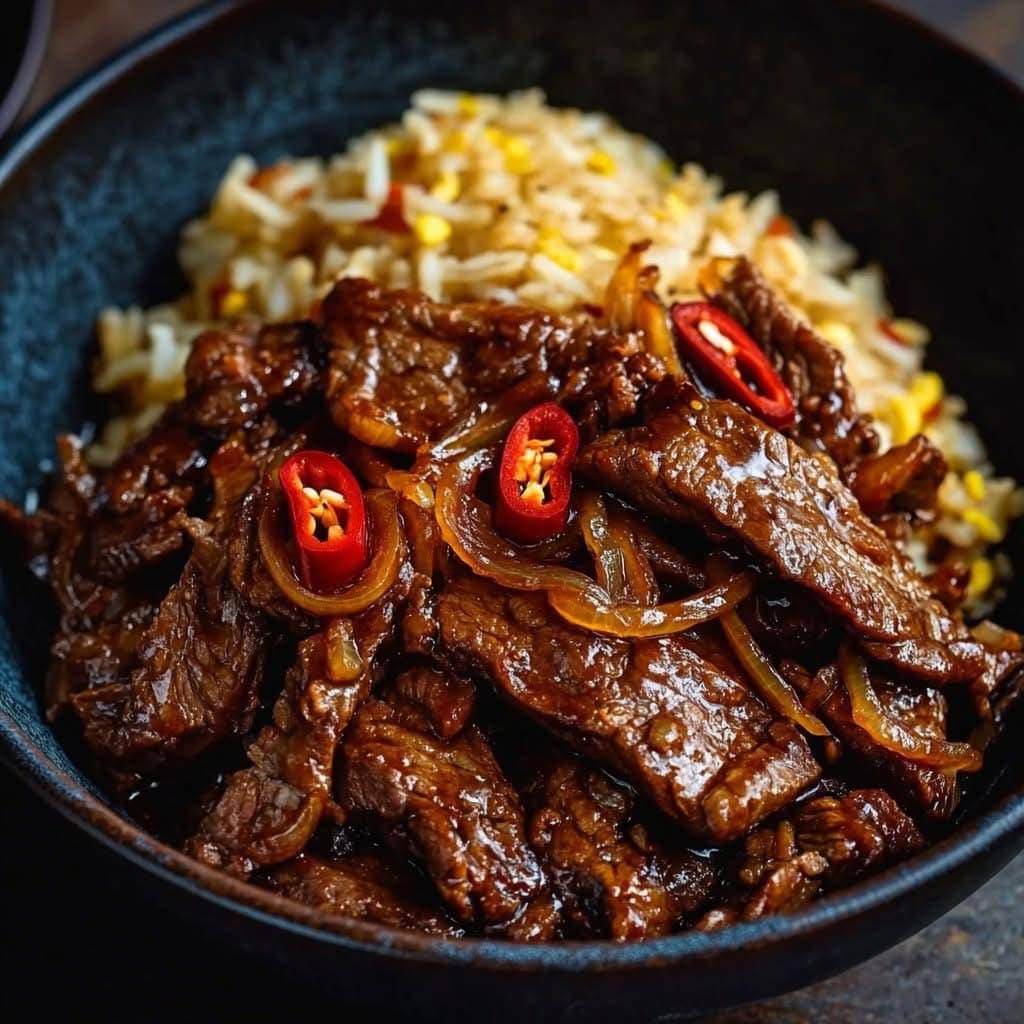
x: 910, y: 150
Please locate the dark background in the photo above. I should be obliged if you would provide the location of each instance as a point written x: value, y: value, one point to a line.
x: 76, y: 937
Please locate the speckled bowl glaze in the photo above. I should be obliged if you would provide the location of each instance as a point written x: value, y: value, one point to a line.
x: 909, y: 145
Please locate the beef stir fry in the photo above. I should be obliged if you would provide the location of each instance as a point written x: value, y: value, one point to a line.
x: 475, y: 619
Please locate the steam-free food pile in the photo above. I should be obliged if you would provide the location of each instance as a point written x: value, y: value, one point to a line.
x: 536, y: 569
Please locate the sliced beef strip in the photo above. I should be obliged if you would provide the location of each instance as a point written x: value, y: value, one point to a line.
x: 86, y: 659
x: 416, y: 770
x: 920, y: 709
x: 403, y: 368
x: 665, y: 713
x: 235, y: 375
x: 119, y: 547
x: 712, y: 463
x: 361, y: 886
x: 95, y: 538
x: 99, y: 624
x: 53, y: 542
x: 860, y: 832
x: 267, y: 813
x: 199, y: 665
x: 935, y: 661
x: 139, y: 517
x: 172, y: 454
x: 613, y: 880
x: 775, y: 877
x: 904, y: 479
x: 812, y: 369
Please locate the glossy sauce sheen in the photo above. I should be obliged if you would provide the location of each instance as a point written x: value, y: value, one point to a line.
x: 434, y: 745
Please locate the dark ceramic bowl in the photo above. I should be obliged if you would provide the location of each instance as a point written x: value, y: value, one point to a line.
x: 909, y: 145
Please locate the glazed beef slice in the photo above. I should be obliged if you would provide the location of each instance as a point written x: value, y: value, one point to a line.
x: 657, y: 711
x: 612, y: 878
x: 857, y: 833
x: 200, y: 661
x: 827, y: 416
x: 921, y: 710
x: 403, y: 368
x: 362, y: 886
x: 268, y: 812
x: 426, y: 779
x: 713, y: 463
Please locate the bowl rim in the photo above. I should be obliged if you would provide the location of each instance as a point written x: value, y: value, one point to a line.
x: 78, y: 803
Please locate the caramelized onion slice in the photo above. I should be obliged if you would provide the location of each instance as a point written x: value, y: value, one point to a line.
x: 389, y: 553
x: 769, y: 683
x: 772, y: 686
x: 595, y: 611
x: 467, y: 529
x: 489, y: 422
x: 892, y: 735
x: 641, y: 583
x: 652, y: 319
x: 609, y: 567
x: 574, y: 596
x: 412, y: 486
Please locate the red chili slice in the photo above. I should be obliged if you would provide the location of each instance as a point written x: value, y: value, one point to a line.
x: 779, y: 227
x: 732, y: 362
x: 328, y: 518
x: 392, y: 213
x: 535, y: 474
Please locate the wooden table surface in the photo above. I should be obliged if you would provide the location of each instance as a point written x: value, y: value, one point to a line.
x: 966, y: 967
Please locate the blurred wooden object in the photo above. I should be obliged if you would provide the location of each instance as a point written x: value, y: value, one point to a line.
x: 84, y: 32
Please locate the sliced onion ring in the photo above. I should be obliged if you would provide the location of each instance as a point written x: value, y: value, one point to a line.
x: 575, y: 597
x: 475, y: 542
x: 773, y: 688
x: 390, y: 552
x: 594, y: 610
x: 870, y: 715
x: 609, y: 566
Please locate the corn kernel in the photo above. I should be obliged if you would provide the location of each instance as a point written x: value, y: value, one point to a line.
x: 468, y: 104
x: 430, y: 229
x: 974, y: 485
x: 926, y: 390
x: 234, y: 303
x: 905, y: 418
x: 558, y: 252
x: 985, y: 526
x: 446, y: 188
x: 835, y: 332
x: 601, y: 162
x: 455, y: 142
x: 518, y: 158
x: 673, y: 208
x: 910, y: 332
x: 981, y: 578
x: 495, y: 136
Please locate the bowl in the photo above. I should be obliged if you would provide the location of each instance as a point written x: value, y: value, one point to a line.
x: 908, y: 144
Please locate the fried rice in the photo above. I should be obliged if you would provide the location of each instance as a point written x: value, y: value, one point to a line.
x: 484, y: 197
